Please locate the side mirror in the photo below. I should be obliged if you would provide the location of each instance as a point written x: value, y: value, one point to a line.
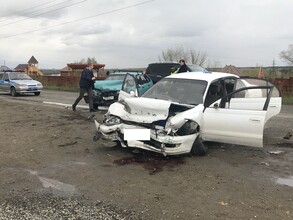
x: 216, y: 105
x: 7, y: 80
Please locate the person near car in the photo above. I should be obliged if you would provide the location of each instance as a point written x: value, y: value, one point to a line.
x: 86, y: 83
x: 183, y: 66
x: 173, y: 70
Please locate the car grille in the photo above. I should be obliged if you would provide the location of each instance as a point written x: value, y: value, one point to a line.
x: 157, y: 144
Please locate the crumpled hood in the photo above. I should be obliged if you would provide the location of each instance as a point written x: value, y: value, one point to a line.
x: 142, y: 110
x: 113, y: 85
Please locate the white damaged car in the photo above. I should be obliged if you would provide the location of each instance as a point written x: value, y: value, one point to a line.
x: 182, y: 111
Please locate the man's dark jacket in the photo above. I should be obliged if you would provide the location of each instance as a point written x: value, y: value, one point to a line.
x: 182, y: 69
x: 86, y: 78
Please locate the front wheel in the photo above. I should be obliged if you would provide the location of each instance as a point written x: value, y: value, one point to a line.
x: 198, y: 148
x: 37, y: 93
x: 13, y: 92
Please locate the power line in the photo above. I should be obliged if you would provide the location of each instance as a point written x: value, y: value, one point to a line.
x: 57, y: 9
x: 16, y: 13
x: 81, y: 19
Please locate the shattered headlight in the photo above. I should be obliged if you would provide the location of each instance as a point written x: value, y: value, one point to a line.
x: 189, y: 127
x: 97, y: 92
x: 112, y: 120
x: 169, y: 128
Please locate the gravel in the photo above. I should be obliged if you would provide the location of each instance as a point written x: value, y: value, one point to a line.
x: 46, y: 206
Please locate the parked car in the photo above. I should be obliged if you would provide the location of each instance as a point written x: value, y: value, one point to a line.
x: 19, y: 83
x: 106, y: 91
x: 157, y: 71
x: 182, y: 111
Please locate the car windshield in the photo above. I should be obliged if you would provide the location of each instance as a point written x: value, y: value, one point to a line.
x: 196, y: 68
x: 19, y: 76
x: 183, y: 91
x: 115, y: 77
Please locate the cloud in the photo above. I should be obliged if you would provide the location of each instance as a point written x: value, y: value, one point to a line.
x: 230, y: 31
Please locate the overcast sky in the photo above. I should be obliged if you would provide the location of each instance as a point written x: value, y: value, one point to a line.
x: 133, y: 33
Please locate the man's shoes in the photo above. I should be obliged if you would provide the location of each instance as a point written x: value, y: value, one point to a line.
x: 73, y: 108
x: 93, y: 110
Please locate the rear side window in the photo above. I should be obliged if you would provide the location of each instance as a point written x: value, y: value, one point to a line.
x: 254, y: 93
x: 161, y: 68
x: 5, y: 77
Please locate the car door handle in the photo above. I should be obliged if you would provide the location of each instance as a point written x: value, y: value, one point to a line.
x: 254, y: 120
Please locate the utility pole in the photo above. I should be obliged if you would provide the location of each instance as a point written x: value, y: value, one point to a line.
x: 274, y: 66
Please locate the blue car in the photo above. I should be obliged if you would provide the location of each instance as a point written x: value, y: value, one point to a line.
x: 106, y: 91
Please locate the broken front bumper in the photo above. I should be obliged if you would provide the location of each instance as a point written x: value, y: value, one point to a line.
x: 158, y: 142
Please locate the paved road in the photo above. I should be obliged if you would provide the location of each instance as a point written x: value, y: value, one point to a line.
x: 49, y: 96
x: 52, y: 152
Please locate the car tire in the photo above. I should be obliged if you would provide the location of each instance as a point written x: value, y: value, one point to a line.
x: 13, y: 92
x: 37, y: 93
x: 198, y: 148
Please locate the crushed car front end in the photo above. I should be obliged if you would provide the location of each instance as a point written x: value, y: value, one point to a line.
x: 103, y: 98
x: 170, y: 128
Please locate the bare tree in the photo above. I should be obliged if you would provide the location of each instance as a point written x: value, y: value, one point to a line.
x: 197, y: 57
x: 287, y: 55
x: 92, y: 60
x: 189, y: 55
x: 88, y: 60
x: 213, y: 64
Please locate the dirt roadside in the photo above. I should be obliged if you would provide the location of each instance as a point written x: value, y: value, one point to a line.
x: 48, y: 159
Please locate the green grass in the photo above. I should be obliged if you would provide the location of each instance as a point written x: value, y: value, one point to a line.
x: 287, y: 100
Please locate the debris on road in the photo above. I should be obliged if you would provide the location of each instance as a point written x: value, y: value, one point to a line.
x: 264, y: 163
x: 276, y: 152
x: 288, y: 135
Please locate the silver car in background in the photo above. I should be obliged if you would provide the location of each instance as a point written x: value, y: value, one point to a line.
x: 19, y: 83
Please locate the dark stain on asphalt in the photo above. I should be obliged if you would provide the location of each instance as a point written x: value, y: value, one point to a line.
x: 152, y: 164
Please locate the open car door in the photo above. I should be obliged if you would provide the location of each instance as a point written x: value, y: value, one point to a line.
x: 239, y: 117
x: 129, y: 87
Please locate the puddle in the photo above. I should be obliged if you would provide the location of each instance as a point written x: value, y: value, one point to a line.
x: 58, y: 188
x: 285, y: 181
x: 152, y: 164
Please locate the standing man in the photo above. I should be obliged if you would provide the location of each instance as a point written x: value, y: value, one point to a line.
x: 86, y: 83
x: 183, y: 66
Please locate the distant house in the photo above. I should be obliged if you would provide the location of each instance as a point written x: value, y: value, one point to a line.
x: 51, y: 72
x: 33, y: 61
x: 21, y: 68
x: 4, y: 68
x: 75, y: 69
x: 231, y: 69
x: 31, y: 68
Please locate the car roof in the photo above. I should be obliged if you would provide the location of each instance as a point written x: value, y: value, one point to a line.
x: 207, y: 76
x: 125, y: 72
